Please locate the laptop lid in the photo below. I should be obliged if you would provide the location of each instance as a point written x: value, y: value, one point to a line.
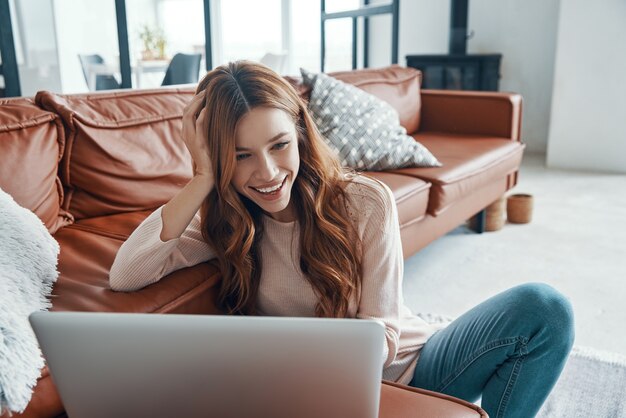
x: 153, y: 365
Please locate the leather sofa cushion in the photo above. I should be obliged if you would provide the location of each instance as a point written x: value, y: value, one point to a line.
x: 469, y: 162
x: 31, y: 145
x: 396, y: 85
x: 133, y: 138
x: 411, y: 195
x: 88, y: 249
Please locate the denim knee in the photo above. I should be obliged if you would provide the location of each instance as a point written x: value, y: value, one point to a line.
x: 553, y: 309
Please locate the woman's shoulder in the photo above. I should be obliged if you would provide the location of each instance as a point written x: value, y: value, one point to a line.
x: 364, y: 186
x: 367, y: 195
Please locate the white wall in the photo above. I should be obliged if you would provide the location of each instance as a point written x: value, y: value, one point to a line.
x: 589, y: 98
x: 523, y: 32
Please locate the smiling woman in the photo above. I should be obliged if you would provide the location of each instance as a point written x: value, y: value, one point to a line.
x: 269, y: 161
x: 295, y: 234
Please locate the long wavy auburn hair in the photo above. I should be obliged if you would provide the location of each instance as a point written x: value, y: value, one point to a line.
x: 231, y: 223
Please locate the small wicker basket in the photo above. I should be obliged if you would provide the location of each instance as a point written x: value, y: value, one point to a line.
x: 519, y: 208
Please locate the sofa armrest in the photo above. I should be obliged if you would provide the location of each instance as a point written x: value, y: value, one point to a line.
x: 400, y: 401
x: 471, y: 112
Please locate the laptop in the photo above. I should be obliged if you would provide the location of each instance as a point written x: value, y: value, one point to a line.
x: 154, y: 365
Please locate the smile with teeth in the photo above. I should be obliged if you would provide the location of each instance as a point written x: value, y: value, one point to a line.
x: 270, y: 190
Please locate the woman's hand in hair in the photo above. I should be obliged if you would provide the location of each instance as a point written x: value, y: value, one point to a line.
x: 180, y: 210
x: 195, y: 132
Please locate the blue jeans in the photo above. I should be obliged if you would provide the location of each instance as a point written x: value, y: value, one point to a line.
x: 510, y: 350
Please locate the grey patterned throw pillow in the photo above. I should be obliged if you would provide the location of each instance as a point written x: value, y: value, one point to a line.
x: 362, y: 129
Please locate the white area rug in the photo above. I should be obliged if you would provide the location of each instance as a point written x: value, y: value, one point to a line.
x: 593, y: 384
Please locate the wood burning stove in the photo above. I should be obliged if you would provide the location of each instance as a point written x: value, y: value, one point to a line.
x: 458, y: 70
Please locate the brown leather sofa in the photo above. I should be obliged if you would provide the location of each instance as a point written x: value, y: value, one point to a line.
x: 93, y: 166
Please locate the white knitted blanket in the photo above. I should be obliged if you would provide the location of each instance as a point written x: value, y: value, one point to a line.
x: 28, y: 260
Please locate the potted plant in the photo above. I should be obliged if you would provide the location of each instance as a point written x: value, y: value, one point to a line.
x: 154, y: 43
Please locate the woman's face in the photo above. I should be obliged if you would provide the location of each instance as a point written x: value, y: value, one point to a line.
x: 267, y: 160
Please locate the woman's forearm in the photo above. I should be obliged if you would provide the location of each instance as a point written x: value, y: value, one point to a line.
x: 180, y: 210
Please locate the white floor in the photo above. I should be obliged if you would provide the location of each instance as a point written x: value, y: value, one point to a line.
x: 576, y: 242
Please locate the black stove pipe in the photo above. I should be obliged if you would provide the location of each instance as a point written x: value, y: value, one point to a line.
x: 458, y: 27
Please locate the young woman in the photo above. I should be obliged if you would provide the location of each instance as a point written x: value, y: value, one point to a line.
x: 297, y: 235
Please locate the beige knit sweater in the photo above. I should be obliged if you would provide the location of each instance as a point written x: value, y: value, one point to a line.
x: 143, y: 259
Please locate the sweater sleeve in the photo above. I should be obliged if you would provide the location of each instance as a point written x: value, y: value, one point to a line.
x: 383, y: 265
x: 143, y: 259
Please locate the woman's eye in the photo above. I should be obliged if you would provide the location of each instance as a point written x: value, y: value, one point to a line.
x: 281, y: 145
x: 240, y: 157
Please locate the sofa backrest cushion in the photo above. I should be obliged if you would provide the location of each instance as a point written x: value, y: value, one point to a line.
x: 396, y: 85
x: 124, y: 150
x: 31, y: 145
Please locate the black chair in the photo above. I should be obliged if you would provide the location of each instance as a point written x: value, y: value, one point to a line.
x: 183, y: 69
x: 103, y: 81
